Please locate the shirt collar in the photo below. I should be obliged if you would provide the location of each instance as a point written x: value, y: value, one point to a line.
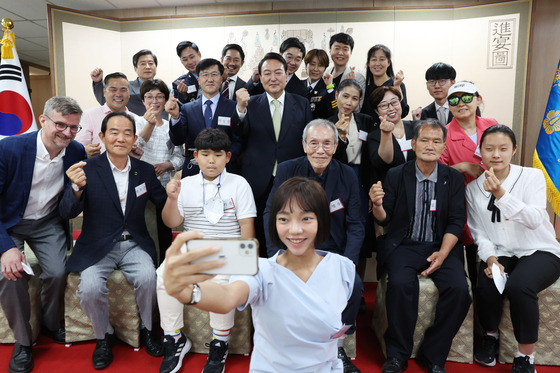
x: 214, y: 99
x: 42, y: 151
x: 421, y: 177
x: 445, y: 105
x: 217, y: 180
x: 114, y: 168
x: 281, y: 98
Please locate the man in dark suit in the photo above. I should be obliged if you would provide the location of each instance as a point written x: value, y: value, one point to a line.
x: 31, y: 181
x: 424, y: 200
x: 112, y: 190
x: 271, y: 126
x: 293, y: 51
x: 185, y: 87
x: 233, y: 59
x: 211, y: 110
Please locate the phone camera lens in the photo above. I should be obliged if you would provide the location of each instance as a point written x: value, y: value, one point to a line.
x: 250, y: 246
x: 242, y: 245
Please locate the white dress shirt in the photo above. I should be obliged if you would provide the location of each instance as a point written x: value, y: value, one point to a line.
x: 525, y: 225
x: 47, y: 182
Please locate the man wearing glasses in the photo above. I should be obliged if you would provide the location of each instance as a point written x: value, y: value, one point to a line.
x: 210, y: 110
x: 32, y: 177
x: 320, y: 140
x: 117, y: 95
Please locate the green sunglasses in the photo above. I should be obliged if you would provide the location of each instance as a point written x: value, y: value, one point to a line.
x: 466, y: 98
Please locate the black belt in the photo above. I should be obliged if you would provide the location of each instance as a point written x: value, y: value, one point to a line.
x: 124, y: 237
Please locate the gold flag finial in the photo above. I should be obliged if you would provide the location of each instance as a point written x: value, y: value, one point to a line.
x: 8, y: 41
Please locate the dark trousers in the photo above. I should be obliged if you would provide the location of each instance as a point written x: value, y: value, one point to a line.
x: 260, y: 203
x: 402, y: 301
x: 165, y: 236
x: 527, y: 276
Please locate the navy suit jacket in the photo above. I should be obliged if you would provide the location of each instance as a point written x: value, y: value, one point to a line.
x: 364, y: 123
x: 295, y: 85
x: 340, y: 183
x: 259, y: 142
x: 399, y: 202
x: 191, y: 123
x: 104, y: 221
x: 17, y: 161
x: 189, y: 80
x: 323, y: 103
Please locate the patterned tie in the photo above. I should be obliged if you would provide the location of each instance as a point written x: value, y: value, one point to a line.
x: 225, y: 89
x: 442, y: 115
x: 208, y: 114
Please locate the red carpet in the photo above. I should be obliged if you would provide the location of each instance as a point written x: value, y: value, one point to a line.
x: 50, y: 357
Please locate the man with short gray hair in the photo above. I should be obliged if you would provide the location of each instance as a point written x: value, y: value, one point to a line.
x: 32, y: 177
x: 320, y: 140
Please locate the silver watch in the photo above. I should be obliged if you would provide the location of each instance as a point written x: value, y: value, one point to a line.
x: 196, y: 295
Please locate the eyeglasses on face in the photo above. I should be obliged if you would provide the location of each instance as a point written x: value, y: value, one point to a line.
x: 466, y: 98
x: 385, y: 105
x: 213, y: 74
x: 62, y: 126
x: 150, y: 98
x: 314, y: 145
x: 440, y: 82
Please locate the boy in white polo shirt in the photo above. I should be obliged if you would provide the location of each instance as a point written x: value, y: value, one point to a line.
x: 220, y: 205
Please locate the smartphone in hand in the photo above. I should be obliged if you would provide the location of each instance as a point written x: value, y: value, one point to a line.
x: 241, y: 255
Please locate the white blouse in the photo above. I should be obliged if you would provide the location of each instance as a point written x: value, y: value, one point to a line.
x: 525, y: 225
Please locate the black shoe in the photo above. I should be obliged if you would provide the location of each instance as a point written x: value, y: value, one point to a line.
x: 435, y: 369
x: 22, y: 359
x: 173, y: 353
x: 394, y: 365
x: 487, y: 351
x: 216, y: 357
x: 153, y: 345
x: 58, y: 336
x: 103, y: 353
x: 349, y: 367
x: 521, y: 364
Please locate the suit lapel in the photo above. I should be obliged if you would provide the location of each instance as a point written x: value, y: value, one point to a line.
x: 29, y: 153
x: 106, y: 175
x: 195, y: 115
x: 442, y: 191
x: 409, y: 176
x: 266, y: 118
x: 287, y: 115
x: 133, y: 182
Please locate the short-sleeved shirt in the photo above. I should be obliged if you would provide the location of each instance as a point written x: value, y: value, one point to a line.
x: 234, y: 191
x: 296, y: 323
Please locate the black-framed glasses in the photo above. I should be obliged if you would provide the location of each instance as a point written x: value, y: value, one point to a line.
x: 62, y: 126
x: 466, y: 98
x: 385, y: 105
x: 440, y: 82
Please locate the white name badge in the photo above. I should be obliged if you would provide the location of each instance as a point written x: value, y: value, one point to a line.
x: 406, y: 145
x: 362, y: 135
x: 335, y: 205
x: 433, y: 205
x: 224, y: 121
x: 191, y: 88
x: 141, y: 190
x: 477, y: 152
x: 229, y: 204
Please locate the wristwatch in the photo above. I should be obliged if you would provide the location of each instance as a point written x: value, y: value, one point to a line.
x: 76, y: 188
x: 196, y: 295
